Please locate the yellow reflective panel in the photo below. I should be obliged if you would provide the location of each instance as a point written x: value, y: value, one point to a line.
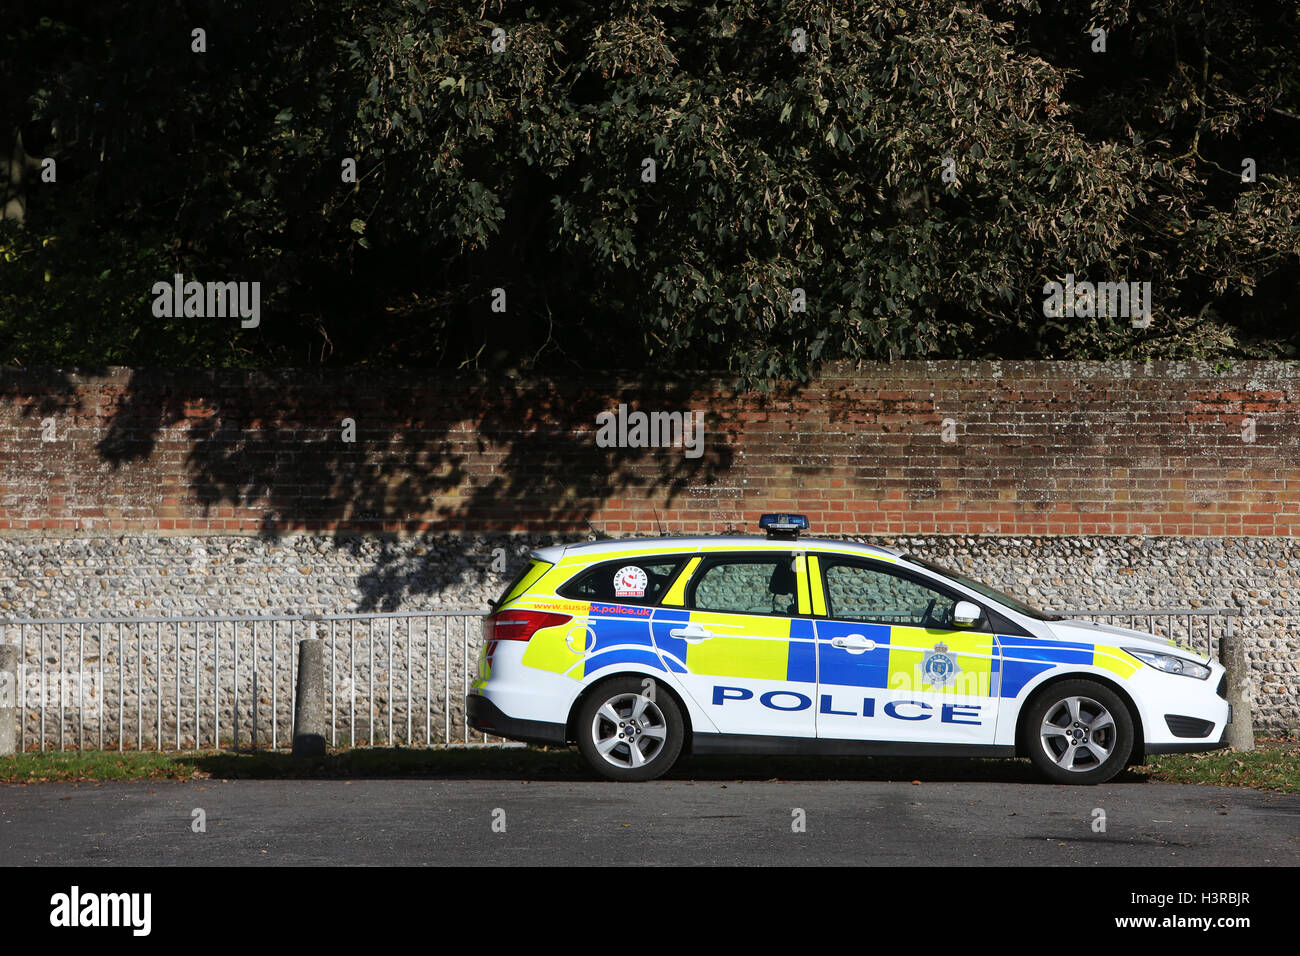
x: 484, y: 667
x: 546, y: 602
x: 582, y: 558
x: 815, y: 580
x: 762, y: 652
x: 676, y: 595
x: 561, y: 649
x: 1114, y: 660
x: 908, y: 647
x: 530, y: 577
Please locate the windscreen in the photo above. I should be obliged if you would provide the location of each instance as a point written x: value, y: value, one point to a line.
x: 1006, y: 599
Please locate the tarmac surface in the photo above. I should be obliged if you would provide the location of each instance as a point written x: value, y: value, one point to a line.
x: 670, y: 821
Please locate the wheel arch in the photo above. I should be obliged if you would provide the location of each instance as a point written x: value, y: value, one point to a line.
x: 1135, y: 713
x: 570, y: 723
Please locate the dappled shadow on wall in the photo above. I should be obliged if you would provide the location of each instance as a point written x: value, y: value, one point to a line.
x: 356, y: 452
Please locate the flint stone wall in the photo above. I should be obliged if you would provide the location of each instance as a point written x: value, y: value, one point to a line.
x: 146, y: 576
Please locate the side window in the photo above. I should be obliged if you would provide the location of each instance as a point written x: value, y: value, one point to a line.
x: 764, y: 585
x: 625, y: 581
x: 858, y: 592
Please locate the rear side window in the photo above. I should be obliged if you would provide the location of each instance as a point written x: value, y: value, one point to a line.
x: 527, y: 577
x: 763, y: 585
x: 625, y: 581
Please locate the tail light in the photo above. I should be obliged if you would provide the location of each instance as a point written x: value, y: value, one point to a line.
x: 520, y: 625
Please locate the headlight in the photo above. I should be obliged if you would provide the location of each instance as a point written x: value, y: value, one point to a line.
x: 1170, y: 664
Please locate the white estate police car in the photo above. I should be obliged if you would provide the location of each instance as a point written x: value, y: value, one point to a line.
x: 640, y: 649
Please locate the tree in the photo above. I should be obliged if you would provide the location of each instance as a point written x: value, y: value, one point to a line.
x: 757, y: 186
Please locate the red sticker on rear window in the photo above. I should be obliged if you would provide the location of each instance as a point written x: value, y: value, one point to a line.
x: 630, y: 581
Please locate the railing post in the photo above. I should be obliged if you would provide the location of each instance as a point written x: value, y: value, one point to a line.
x: 309, y: 706
x: 1232, y: 654
x: 10, y: 713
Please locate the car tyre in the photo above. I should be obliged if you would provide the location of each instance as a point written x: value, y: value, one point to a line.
x: 630, y: 728
x: 1078, y: 732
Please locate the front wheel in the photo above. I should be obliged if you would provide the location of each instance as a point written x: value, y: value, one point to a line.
x: 1078, y: 731
x: 629, y: 728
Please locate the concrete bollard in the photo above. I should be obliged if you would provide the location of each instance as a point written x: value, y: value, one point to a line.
x: 8, y: 699
x: 309, y: 710
x: 1232, y: 655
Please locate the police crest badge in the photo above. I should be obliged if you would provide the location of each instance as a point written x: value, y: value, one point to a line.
x: 939, y: 666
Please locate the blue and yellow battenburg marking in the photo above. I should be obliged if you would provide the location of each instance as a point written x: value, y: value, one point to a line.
x: 909, y: 658
x: 598, y: 636
x: 763, y: 647
x: 771, y: 648
x: 784, y: 649
x: 1024, y: 658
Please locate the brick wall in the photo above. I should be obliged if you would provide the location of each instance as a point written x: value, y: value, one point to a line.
x: 1071, y: 485
x: 1038, y: 448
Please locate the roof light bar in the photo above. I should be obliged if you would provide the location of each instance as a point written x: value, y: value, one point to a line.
x: 783, y: 525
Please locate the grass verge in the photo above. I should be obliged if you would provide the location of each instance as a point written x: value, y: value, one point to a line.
x: 1274, y: 766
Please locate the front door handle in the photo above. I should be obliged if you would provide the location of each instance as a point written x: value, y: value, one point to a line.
x: 692, y: 633
x: 854, y: 643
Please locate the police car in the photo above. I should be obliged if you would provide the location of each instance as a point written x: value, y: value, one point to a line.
x: 640, y: 650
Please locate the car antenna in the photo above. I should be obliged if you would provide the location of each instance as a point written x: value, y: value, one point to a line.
x: 596, y: 535
x: 662, y: 532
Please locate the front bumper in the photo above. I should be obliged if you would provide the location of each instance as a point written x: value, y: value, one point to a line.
x: 1179, y: 714
x: 1192, y: 746
x: 485, y: 716
x: 1201, y: 746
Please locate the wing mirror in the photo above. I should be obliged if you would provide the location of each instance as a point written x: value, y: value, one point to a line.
x: 965, y: 614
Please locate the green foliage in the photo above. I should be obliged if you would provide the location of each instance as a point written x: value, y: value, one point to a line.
x: 775, y: 170
x: 84, y: 301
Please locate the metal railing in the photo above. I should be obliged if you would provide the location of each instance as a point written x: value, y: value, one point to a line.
x: 208, y: 682
x: 214, y: 681
x: 1180, y: 623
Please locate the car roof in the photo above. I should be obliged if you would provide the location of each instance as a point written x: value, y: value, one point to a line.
x: 589, y: 551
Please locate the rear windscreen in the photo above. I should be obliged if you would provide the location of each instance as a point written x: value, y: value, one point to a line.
x: 526, y: 578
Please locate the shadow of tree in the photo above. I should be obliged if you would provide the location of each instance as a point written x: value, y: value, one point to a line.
x: 457, y: 455
x: 45, y: 391
x: 533, y: 763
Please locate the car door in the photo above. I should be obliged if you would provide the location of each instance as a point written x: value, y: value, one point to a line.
x: 738, y: 645
x: 891, y: 664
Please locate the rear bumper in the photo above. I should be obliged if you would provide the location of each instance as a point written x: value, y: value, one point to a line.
x: 485, y: 716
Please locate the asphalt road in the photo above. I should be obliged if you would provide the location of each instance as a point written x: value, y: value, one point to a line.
x: 675, y: 821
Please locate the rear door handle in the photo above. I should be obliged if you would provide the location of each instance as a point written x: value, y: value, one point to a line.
x: 692, y: 633
x: 854, y: 643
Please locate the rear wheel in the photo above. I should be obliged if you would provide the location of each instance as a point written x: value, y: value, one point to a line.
x: 630, y: 729
x: 1079, y: 732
